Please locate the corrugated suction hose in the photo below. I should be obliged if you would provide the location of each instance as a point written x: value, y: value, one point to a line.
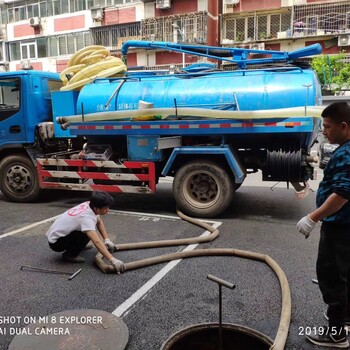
x: 283, y: 328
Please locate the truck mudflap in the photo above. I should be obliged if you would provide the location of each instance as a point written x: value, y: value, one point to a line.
x: 96, y: 175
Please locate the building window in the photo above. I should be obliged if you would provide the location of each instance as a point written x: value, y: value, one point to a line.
x: 262, y: 29
x: 53, y: 8
x: 28, y: 51
x: 42, y: 47
x: 25, y: 9
x: 20, y: 13
x: 240, y: 29
x: 191, y: 28
x: 347, y: 21
x: 257, y: 27
x: 311, y: 25
x: 43, y: 9
x: 33, y: 10
x: 67, y: 44
x: 250, y: 29
x: 322, y: 18
x: 114, y: 35
x: 53, y: 46
x: 15, y: 52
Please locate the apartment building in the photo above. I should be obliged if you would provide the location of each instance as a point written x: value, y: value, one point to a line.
x: 43, y: 34
x: 286, y: 25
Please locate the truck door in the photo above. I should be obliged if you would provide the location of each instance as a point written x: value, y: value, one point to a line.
x: 12, y: 123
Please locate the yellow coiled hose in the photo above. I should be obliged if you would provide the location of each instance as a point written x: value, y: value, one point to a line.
x: 89, y: 63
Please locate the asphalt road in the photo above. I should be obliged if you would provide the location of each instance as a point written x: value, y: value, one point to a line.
x: 260, y: 219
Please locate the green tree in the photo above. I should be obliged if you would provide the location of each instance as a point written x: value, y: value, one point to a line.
x: 328, y: 69
x: 343, y: 78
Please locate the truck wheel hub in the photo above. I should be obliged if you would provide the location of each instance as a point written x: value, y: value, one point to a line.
x: 202, y: 188
x: 18, y: 178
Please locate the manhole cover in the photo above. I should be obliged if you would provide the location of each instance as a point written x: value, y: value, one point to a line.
x: 73, y: 329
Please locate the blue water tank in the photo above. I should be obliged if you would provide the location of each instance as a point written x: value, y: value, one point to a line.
x: 253, y: 90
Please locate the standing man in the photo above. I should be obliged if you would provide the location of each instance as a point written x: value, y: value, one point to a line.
x: 333, y: 209
x: 72, y: 230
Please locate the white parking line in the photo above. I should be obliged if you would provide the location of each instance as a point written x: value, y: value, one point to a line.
x: 124, y: 308
x: 28, y: 227
x: 137, y: 213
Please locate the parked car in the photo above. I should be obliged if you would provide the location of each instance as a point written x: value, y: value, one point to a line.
x: 325, y: 152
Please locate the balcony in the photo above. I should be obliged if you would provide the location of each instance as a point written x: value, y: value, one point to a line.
x: 186, y: 28
x: 113, y: 36
x: 307, y: 20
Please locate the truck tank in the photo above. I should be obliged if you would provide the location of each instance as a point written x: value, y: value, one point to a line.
x: 264, y: 88
x: 231, y: 90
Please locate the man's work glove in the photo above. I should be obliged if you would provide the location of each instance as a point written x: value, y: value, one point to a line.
x: 118, y: 265
x: 109, y: 245
x: 306, y: 225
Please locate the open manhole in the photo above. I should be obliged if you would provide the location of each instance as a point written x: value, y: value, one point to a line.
x: 206, y: 337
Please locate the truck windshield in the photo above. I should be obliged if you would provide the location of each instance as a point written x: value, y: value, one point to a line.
x: 9, y: 96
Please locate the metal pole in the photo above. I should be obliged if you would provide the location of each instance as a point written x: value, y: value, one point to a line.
x: 221, y: 283
x: 39, y: 269
x: 307, y: 96
x: 220, y: 317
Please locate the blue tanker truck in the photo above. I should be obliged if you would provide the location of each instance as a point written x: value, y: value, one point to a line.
x: 206, y: 127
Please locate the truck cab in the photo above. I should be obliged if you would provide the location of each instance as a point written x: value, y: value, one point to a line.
x: 25, y: 101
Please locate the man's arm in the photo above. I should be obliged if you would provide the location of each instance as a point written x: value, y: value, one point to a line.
x: 95, y: 239
x: 332, y: 204
x: 102, y: 228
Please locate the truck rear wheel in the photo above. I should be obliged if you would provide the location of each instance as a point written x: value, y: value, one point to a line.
x: 18, y: 179
x: 203, y: 189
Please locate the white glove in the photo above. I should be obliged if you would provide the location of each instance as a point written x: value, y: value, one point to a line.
x: 118, y: 265
x: 306, y: 225
x: 109, y: 245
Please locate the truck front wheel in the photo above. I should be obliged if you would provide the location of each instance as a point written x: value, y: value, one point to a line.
x: 203, y: 189
x: 18, y: 179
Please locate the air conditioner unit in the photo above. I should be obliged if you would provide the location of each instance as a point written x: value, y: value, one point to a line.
x: 97, y: 15
x: 163, y: 4
x: 231, y: 2
x: 35, y: 21
x: 257, y: 46
x: 344, y: 40
x: 4, y: 66
x: 26, y: 65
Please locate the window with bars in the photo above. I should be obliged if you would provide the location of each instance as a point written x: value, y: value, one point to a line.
x: 254, y: 27
x: 321, y: 18
x: 114, y: 35
x: 189, y: 28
